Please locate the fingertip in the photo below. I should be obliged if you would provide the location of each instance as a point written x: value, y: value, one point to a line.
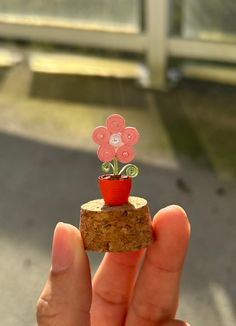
x: 66, y: 227
x: 175, y: 211
x: 62, y: 227
x: 59, y: 228
x: 172, y: 216
x: 72, y: 233
x: 74, y: 230
x: 172, y: 231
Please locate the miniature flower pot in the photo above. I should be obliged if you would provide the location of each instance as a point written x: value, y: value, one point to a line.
x: 114, y: 191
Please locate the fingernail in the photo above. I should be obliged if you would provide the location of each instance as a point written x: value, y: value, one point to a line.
x: 62, y: 248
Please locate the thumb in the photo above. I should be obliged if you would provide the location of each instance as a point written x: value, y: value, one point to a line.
x: 66, y: 297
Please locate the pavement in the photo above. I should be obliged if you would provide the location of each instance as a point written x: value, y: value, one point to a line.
x: 48, y: 168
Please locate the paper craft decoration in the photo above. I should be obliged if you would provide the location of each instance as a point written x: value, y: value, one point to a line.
x: 118, y: 222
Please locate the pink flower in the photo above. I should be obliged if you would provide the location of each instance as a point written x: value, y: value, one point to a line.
x: 115, y: 141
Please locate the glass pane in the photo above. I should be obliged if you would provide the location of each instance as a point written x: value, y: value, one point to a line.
x: 98, y: 13
x: 209, y: 19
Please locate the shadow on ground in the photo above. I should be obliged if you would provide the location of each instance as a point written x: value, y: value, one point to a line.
x: 97, y: 90
x: 201, y: 121
x: 42, y: 184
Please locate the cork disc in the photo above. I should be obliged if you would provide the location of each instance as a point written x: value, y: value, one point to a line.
x: 116, y: 228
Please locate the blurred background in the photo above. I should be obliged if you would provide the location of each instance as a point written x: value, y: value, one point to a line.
x: 169, y: 68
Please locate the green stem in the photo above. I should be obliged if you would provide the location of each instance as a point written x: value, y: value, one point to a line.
x: 124, y: 168
x: 130, y: 169
x: 116, y: 168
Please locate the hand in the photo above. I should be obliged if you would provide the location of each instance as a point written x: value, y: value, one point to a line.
x: 124, y: 291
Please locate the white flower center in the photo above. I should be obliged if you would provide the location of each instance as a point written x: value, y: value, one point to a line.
x: 115, y: 140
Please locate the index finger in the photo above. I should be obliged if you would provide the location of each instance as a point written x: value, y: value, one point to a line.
x: 155, y: 296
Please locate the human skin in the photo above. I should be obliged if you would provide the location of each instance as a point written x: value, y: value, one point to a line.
x: 134, y: 288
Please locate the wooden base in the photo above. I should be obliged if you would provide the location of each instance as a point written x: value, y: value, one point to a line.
x: 116, y: 228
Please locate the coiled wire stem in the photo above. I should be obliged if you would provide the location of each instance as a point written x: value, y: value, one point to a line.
x: 131, y: 170
x: 107, y: 166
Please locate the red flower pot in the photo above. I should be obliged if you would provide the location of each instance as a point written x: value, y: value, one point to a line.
x: 114, y: 191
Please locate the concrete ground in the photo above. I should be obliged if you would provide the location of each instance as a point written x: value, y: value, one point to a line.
x: 48, y: 168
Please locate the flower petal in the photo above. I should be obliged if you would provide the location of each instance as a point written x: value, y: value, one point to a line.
x: 130, y: 136
x: 106, y: 153
x: 125, y: 154
x: 115, y: 123
x: 101, y: 135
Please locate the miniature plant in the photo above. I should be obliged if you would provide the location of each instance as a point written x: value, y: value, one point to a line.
x: 115, y: 145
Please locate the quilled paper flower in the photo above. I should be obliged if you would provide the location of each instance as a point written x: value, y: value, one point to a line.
x: 115, y: 141
x: 115, y: 144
